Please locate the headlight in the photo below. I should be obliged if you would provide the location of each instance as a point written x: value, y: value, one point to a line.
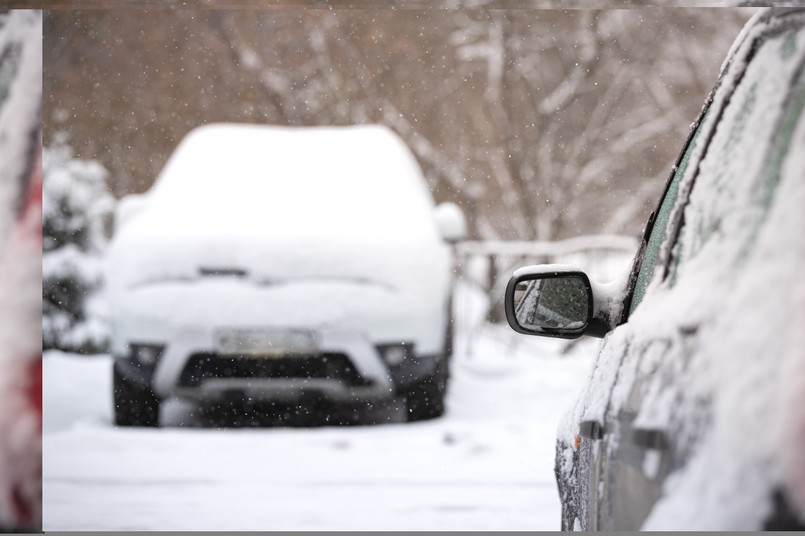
x: 145, y: 354
x: 395, y: 354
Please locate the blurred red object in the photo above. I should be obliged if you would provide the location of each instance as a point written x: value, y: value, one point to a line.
x: 21, y: 380
x: 21, y: 272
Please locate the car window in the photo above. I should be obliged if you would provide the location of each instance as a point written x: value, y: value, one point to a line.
x: 763, y: 192
x: 738, y: 178
x: 731, y: 159
x: 651, y: 253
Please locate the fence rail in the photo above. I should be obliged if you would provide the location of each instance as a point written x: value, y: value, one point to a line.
x: 487, y: 265
x: 559, y: 248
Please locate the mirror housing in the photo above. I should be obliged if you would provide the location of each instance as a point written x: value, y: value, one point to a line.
x: 128, y: 207
x: 553, y: 301
x: 451, y: 222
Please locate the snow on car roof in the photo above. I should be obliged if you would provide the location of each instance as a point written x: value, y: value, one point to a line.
x: 320, y: 181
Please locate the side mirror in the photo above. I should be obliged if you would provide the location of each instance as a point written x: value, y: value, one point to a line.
x: 128, y: 207
x: 451, y: 222
x: 552, y: 301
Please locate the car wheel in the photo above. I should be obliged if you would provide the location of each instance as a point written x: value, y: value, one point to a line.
x: 425, y: 398
x: 135, y: 405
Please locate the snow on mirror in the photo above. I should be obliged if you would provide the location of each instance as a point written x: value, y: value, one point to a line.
x: 557, y: 305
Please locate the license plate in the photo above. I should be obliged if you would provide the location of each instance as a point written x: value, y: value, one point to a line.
x: 266, y: 343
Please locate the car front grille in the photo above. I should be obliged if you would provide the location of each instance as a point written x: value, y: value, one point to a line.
x: 204, y: 366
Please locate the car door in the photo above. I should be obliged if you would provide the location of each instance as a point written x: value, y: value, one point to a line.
x: 609, y: 483
x: 644, y: 417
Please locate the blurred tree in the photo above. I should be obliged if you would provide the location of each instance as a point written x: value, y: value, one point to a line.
x: 540, y: 123
x: 76, y: 206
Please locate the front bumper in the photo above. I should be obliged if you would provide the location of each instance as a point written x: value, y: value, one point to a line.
x: 353, y: 321
x: 363, y: 356
x: 348, y: 368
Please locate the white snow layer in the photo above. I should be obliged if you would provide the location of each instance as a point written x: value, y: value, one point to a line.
x: 291, y: 202
x: 74, y: 197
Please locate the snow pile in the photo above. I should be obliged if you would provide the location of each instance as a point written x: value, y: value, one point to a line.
x: 76, y: 206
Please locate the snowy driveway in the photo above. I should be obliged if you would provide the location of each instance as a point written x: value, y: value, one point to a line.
x: 486, y: 465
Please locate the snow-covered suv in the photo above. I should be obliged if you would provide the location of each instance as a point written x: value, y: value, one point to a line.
x: 282, y: 264
x: 694, y: 414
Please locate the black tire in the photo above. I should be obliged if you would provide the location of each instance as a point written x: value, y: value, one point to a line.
x: 135, y: 405
x: 425, y: 398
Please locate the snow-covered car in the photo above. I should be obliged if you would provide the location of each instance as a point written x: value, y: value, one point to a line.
x: 694, y: 414
x: 283, y: 264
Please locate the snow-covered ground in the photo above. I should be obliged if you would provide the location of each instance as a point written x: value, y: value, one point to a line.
x: 486, y: 465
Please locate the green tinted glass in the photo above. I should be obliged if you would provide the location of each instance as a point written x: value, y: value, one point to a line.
x: 741, y: 171
x: 651, y: 254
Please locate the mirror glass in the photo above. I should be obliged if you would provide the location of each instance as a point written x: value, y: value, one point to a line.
x: 551, y: 304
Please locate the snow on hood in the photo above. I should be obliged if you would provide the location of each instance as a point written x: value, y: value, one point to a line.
x: 273, y: 203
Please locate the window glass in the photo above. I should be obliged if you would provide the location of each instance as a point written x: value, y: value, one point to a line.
x: 739, y: 173
x: 764, y: 190
x: 651, y: 254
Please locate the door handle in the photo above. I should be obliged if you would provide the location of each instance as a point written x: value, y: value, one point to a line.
x: 591, y: 429
x: 649, y: 438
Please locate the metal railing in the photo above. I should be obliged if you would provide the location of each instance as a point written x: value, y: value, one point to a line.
x: 487, y: 265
